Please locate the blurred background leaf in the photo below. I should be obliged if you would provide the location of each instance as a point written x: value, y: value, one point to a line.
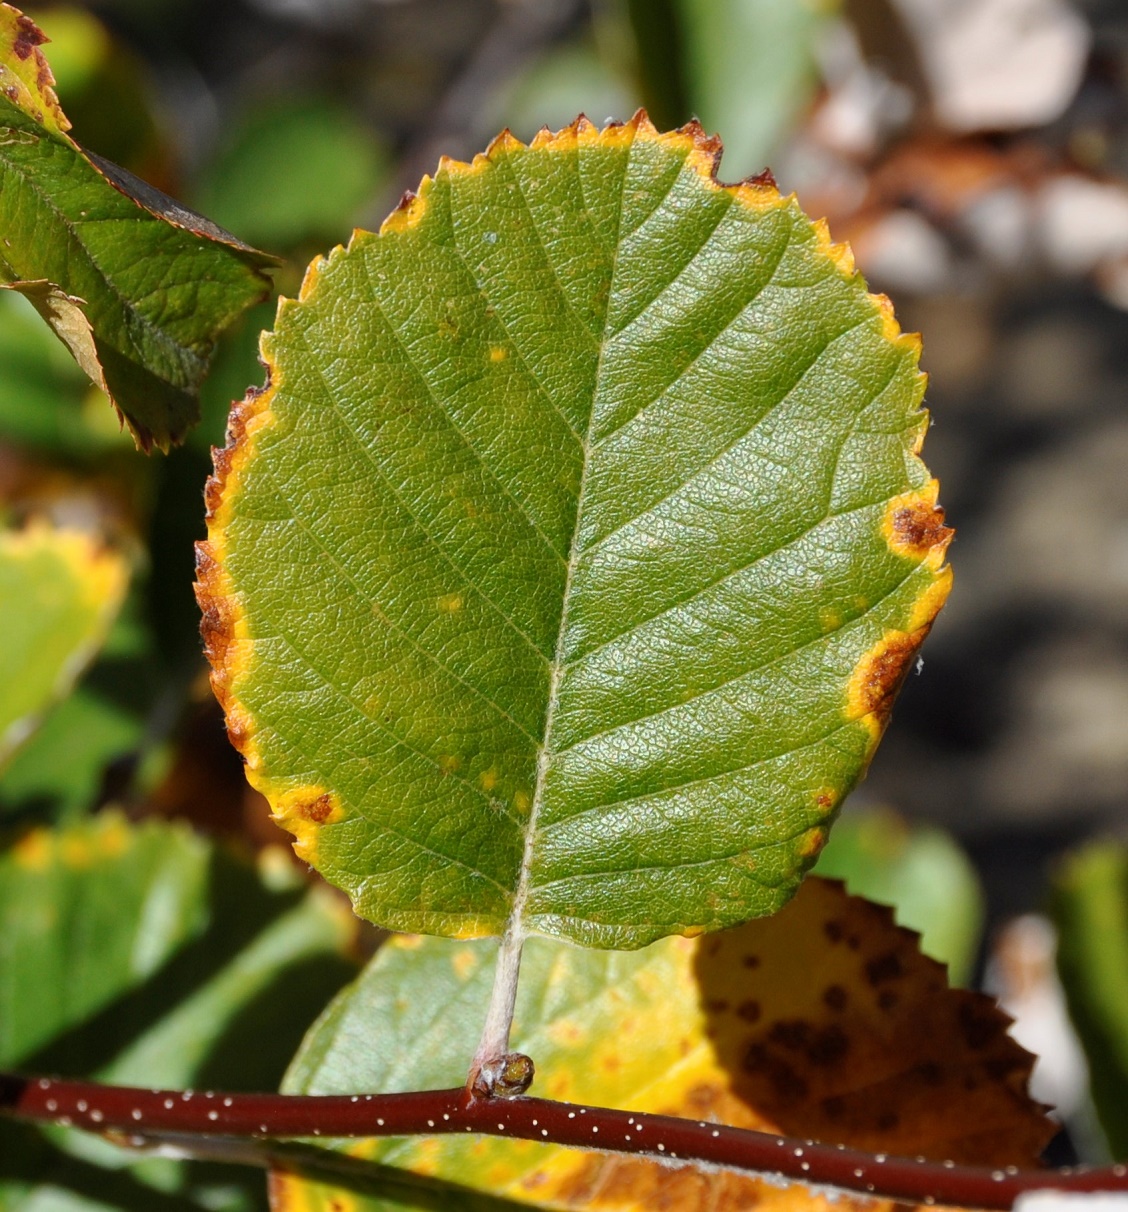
x: 59, y: 593
x: 1090, y: 909
x: 144, y: 955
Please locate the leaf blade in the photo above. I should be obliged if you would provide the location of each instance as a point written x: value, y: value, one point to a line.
x: 580, y: 400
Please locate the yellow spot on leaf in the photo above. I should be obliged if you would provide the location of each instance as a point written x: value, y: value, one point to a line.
x: 114, y: 837
x: 465, y: 964
x: 76, y: 851
x: 303, y: 811
x: 830, y: 619
x: 497, y: 353
x: 450, y: 603
x: 812, y: 843
x: 488, y: 779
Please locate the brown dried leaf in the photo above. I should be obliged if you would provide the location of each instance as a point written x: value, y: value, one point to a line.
x: 853, y: 1036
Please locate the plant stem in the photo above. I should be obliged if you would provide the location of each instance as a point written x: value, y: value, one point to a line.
x: 493, y: 1047
x: 155, y: 1114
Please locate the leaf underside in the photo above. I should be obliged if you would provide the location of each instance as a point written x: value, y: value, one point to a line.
x: 823, y: 1022
x: 140, y: 287
x: 565, y: 572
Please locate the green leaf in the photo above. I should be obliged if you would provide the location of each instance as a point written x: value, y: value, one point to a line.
x: 750, y: 69
x: 59, y: 593
x: 141, y: 955
x: 919, y: 870
x: 565, y: 573
x: 135, y: 285
x: 818, y: 1022
x: 1090, y: 909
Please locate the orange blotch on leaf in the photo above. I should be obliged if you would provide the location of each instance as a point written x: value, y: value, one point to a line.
x: 914, y: 526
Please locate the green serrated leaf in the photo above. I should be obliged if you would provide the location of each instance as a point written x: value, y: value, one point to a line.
x: 141, y: 955
x: 565, y: 573
x: 137, y: 286
x: 1090, y: 910
x: 59, y: 593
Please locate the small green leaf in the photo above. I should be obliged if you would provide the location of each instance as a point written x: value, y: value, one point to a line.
x: 141, y: 955
x: 919, y: 870
x: 137, y: 286
x: 59, y: 592
x: 565, y: 573
x: 1090, y: 909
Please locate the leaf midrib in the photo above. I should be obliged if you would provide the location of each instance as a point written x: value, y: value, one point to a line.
x: 515, y: 926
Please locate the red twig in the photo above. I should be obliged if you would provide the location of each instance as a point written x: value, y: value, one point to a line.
x: 143, y: 1113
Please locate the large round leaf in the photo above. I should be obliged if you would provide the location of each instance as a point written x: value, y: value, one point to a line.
x: 565, y: 571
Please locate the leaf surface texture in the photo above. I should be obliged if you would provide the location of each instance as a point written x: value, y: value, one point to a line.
x: 566, y: 571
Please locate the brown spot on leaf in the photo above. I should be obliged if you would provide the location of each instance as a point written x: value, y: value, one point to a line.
x: 793, y: 1034
x: 749, y: 1010
x: 882, y: 671
x: 829, y: 1046
x: 930, y: 1073
x: 787, y: 1085
x: 764, y: 178
x: 883, y: 968
x: 834, y: 1108
x: 28, y: 37
x: 919, y: 526
x: 318, y: 810
x: 836, y: 997
x: 702, y: 1097
x: 979, y: 1024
